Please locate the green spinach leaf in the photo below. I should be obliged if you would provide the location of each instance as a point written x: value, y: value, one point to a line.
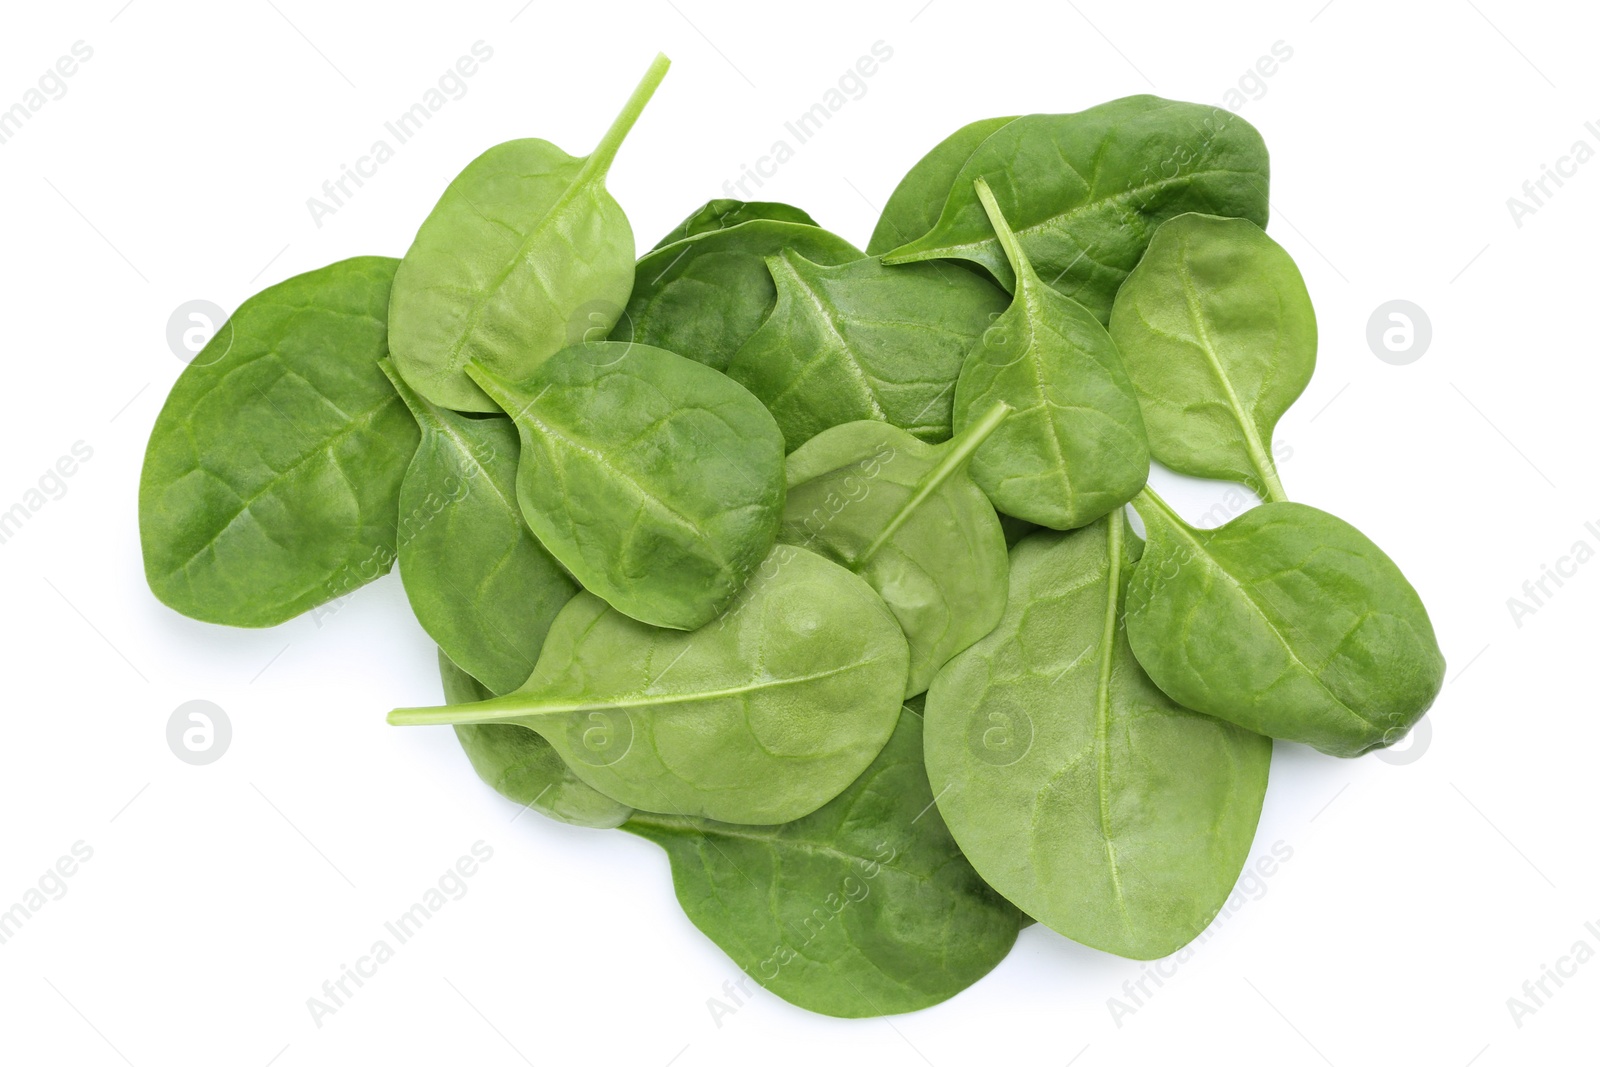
x: 703, y: 296
x: 478, y: 580
x: 1287, y: 621
x: 1218, y: 335
x: 864, y: 341
x: 761, y: 718
x: 1074, y: 786
x: 522, y: 766
x: 1084, y: 191
x: 525, y: 253
x: 271, y: 483
x: 1075, y: 449
x: 656, y: 481
x: 726, y: 214
x: 904, y: 515
x: 914, y: 206
x: 865, y: 907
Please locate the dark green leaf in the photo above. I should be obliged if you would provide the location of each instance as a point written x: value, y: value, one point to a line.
x: 656, y: 481
x: 915, y: 204
x: 864, y: 341
x: 1286, y: 620
x: 271, y: 482
x: 703, y: 296
x: 478, y: 580
x: 1075, y: 448
x: 726, y: 214
x: 865, y: 907
x: 1084, y: 191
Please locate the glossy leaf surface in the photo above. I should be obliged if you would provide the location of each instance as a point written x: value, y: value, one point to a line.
x: 1085, y: 191
x: 865, y: 907
x: 1075, y: 448
x: 916, y: 203
x: 1286, y: 620
x: 725, y: 214
x: 864, y: 341
x: 656, y: 481
x: 477, y: 579
x: 703, y: 296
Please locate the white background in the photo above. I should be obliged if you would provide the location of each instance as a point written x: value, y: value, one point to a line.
x: 1420, y: 895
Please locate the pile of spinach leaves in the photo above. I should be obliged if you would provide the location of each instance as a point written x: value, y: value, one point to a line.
x: 815, y: 566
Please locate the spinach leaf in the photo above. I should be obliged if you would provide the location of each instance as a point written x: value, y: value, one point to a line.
x: 478, y: 580
x: 905, y: 516
x: 863, y: 341
x: 1073, y: 785
x: 865, y: 907
x: 1219, y: 338
x: 914, y: 206
x: 522, y: 766
x: 1287, y: 621
x: 525, y: 253
x: 1084, y: 191
x: 761, y: 718
x: 655, y: 480
x: 726, y: 214
x: 272, y: 479
x: 1075, y: 449
x: 703, y: 296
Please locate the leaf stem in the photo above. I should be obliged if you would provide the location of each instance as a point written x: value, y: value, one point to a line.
x: 1002, y: 229
x: 1145, y: 502
x: 599, y: 161
x: 1269, y: 477
x: 957, y: 452
x: 518, y: 705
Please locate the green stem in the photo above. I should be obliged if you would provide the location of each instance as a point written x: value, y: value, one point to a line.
x: 1146, y: 502
x: 521, y: 705
x: 599, y: 161
x: 957, y: 452
x: 1269, y: 477
x: 1002, y: 229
